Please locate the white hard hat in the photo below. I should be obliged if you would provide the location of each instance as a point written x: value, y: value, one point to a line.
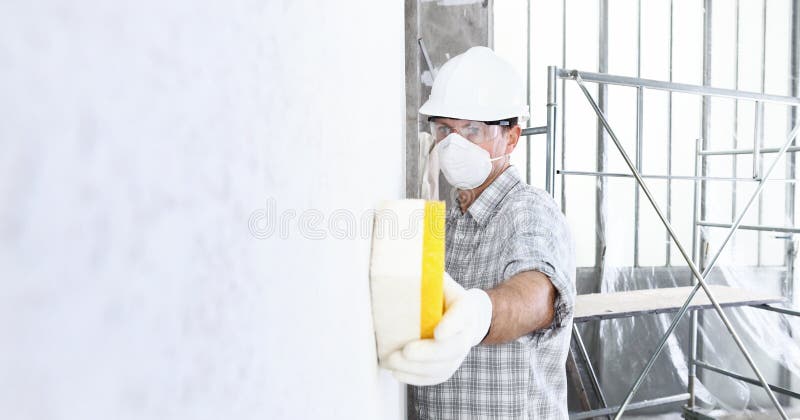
x: 477, y: 85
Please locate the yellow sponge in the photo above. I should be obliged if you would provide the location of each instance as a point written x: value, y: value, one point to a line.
x: 406, y: 271
x: 432, y: 295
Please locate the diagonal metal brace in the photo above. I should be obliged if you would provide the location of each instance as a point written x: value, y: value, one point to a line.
x: 695, y: 271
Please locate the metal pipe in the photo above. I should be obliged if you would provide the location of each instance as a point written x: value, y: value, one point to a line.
x: 762, y: 150
x: 631, y: 407
x: 532, y: 131
x: 601, y: 157
x: 564, y: 101
x: 691, y: 383
x: 758, y: 136
x: 705, y: 135
x: 677, y: 87
x: 639, y: 38
x: 528, y: 97
x: 735, y: 137
x: 670, y: 177
x: 794, y: 116
x: 639, y: 128
x: 758, y: 163
x: 728, y: 373
x: 692, y: 266
x: 426, y: 57
x: 552, y: 109
x: 763, y: 46
x: 667, y: 242
x: 758, y: 143
x: 785, y: 311
x: 760, y: 228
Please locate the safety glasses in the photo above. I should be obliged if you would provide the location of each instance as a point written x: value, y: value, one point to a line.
x: 475, y: 131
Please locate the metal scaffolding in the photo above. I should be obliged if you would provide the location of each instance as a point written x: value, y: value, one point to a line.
x: 580, y: 78
x: 699, y: 262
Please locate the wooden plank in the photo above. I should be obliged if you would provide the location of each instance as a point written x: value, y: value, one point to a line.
x: 597, y: 306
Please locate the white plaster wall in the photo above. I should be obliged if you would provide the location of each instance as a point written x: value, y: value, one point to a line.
x: 136, y: 140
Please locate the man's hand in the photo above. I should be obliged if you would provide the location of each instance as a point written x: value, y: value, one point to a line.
x: 466, y: 321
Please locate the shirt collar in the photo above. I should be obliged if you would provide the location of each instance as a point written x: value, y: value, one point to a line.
x: 483, y: 207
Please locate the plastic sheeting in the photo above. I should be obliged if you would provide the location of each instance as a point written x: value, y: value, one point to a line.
x: 620, y: 348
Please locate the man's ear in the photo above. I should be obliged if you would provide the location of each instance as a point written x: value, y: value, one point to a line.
x: 513, y: 138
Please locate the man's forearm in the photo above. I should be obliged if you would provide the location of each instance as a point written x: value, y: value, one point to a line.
x: 522, y: 304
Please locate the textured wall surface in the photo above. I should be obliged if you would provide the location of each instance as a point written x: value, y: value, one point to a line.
x: 137, y: 141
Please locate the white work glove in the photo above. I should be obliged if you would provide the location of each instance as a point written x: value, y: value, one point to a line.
x: 465, y: 323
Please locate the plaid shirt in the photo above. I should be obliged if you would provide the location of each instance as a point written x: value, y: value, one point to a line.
x: 510, y: 228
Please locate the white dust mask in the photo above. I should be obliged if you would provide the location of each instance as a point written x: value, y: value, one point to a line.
x: 464, y: 164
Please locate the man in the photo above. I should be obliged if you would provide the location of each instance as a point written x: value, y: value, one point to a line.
x: 501, y: 346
